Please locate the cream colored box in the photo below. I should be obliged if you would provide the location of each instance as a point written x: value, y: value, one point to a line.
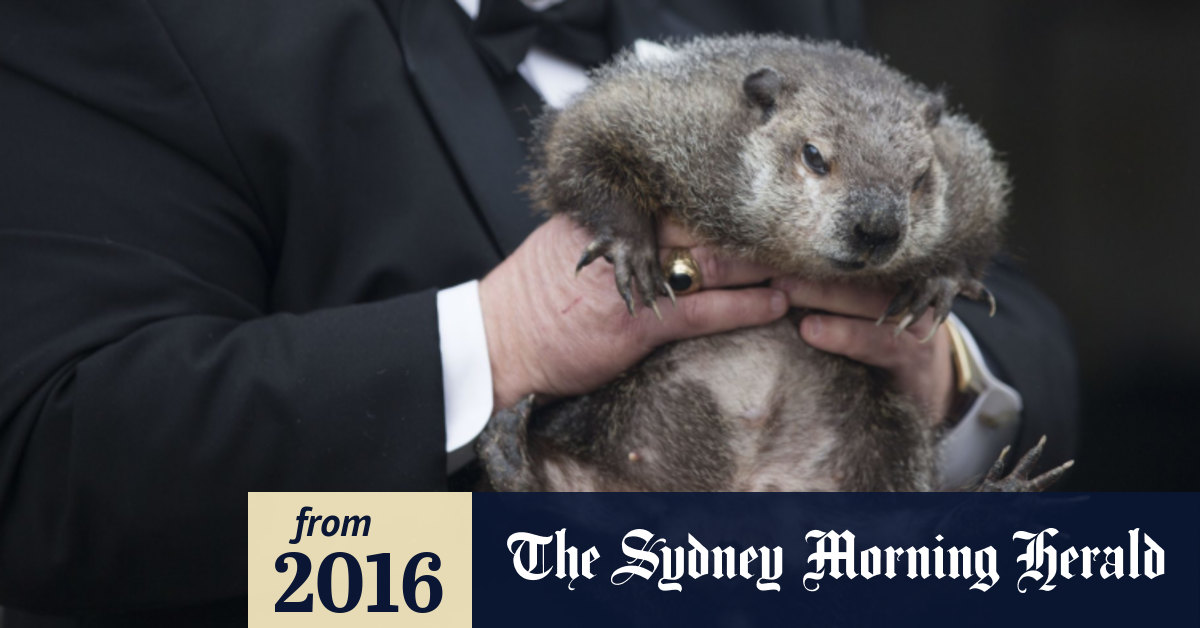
x: 401, y: 525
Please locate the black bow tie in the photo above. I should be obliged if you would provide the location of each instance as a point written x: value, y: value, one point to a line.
x: 575, y: 29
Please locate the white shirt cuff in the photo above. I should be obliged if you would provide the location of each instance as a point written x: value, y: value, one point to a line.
x: 970, y: 448
x: 466, y: 369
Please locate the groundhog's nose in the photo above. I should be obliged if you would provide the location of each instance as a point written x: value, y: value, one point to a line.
x: 875, y: 234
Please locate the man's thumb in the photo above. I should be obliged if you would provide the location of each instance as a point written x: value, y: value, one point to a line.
x: 714, y: 311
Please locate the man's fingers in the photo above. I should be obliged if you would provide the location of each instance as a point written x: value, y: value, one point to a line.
x: 920, y: 329
x: 850, y: 300
x: 858, y: 339
x: 714, y: 311
x: 718, y: 271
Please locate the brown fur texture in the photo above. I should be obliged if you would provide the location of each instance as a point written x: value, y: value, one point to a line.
x: 714, y: 133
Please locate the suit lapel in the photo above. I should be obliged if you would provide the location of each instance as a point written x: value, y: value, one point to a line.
x: 462, y: 101
x: 463, y: 104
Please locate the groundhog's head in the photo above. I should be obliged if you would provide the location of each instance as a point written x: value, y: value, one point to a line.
x: 844, y: 165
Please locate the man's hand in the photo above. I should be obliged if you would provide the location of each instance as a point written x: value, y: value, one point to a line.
x: 558, y: 334
x: 554, y: 333
x: 922, y: 370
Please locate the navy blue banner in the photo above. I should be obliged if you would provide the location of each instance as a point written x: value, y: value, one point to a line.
x: 836, y: 559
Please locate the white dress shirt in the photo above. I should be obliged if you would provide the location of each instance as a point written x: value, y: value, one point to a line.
x: 967, y: 451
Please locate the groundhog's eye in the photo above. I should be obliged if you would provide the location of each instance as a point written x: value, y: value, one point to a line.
x: 813, y: 159
x: 920, y: 180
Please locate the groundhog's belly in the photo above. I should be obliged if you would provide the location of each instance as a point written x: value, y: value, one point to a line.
x: 754, y: 409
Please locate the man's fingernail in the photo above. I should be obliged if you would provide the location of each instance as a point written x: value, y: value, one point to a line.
x: 812, y: 326
x: 778, y: 303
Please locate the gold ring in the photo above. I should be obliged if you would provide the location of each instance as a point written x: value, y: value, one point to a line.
x: 683, y: 273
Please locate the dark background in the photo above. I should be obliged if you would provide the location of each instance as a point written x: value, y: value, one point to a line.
x: 1095, y: 105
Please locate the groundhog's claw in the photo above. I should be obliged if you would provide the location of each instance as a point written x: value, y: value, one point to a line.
x: 628, y: 240
x: 941, y: 311
x: 1019, y: 481
x: 915, y: 298
x: 670, y: 293
x: 597, y: 248
x: 900, y: 302
x: 637, y: 272
x: 975, y: 290
x: 938, y: 293
x: 625, y: 288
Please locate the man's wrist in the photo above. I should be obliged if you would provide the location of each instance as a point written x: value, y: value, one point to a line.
x: 510, y: 378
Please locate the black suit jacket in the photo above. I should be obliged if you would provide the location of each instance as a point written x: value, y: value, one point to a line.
x: 221, y: 232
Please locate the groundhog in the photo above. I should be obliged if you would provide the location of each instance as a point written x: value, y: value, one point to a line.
x: 812, y: 158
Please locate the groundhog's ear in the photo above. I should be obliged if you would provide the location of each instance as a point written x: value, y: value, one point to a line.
x: 934, y: 108
x: 762, y: 87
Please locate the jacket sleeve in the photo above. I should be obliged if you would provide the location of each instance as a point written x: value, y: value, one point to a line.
x: 1028, y: 345
x: 146, y: 383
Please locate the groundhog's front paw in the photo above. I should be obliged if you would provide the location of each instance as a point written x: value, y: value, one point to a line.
x: 915, y: 297
x: 635, y: 264
x: 1019, y: 481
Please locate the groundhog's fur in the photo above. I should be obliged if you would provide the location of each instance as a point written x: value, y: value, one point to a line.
x: 713, y: 134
